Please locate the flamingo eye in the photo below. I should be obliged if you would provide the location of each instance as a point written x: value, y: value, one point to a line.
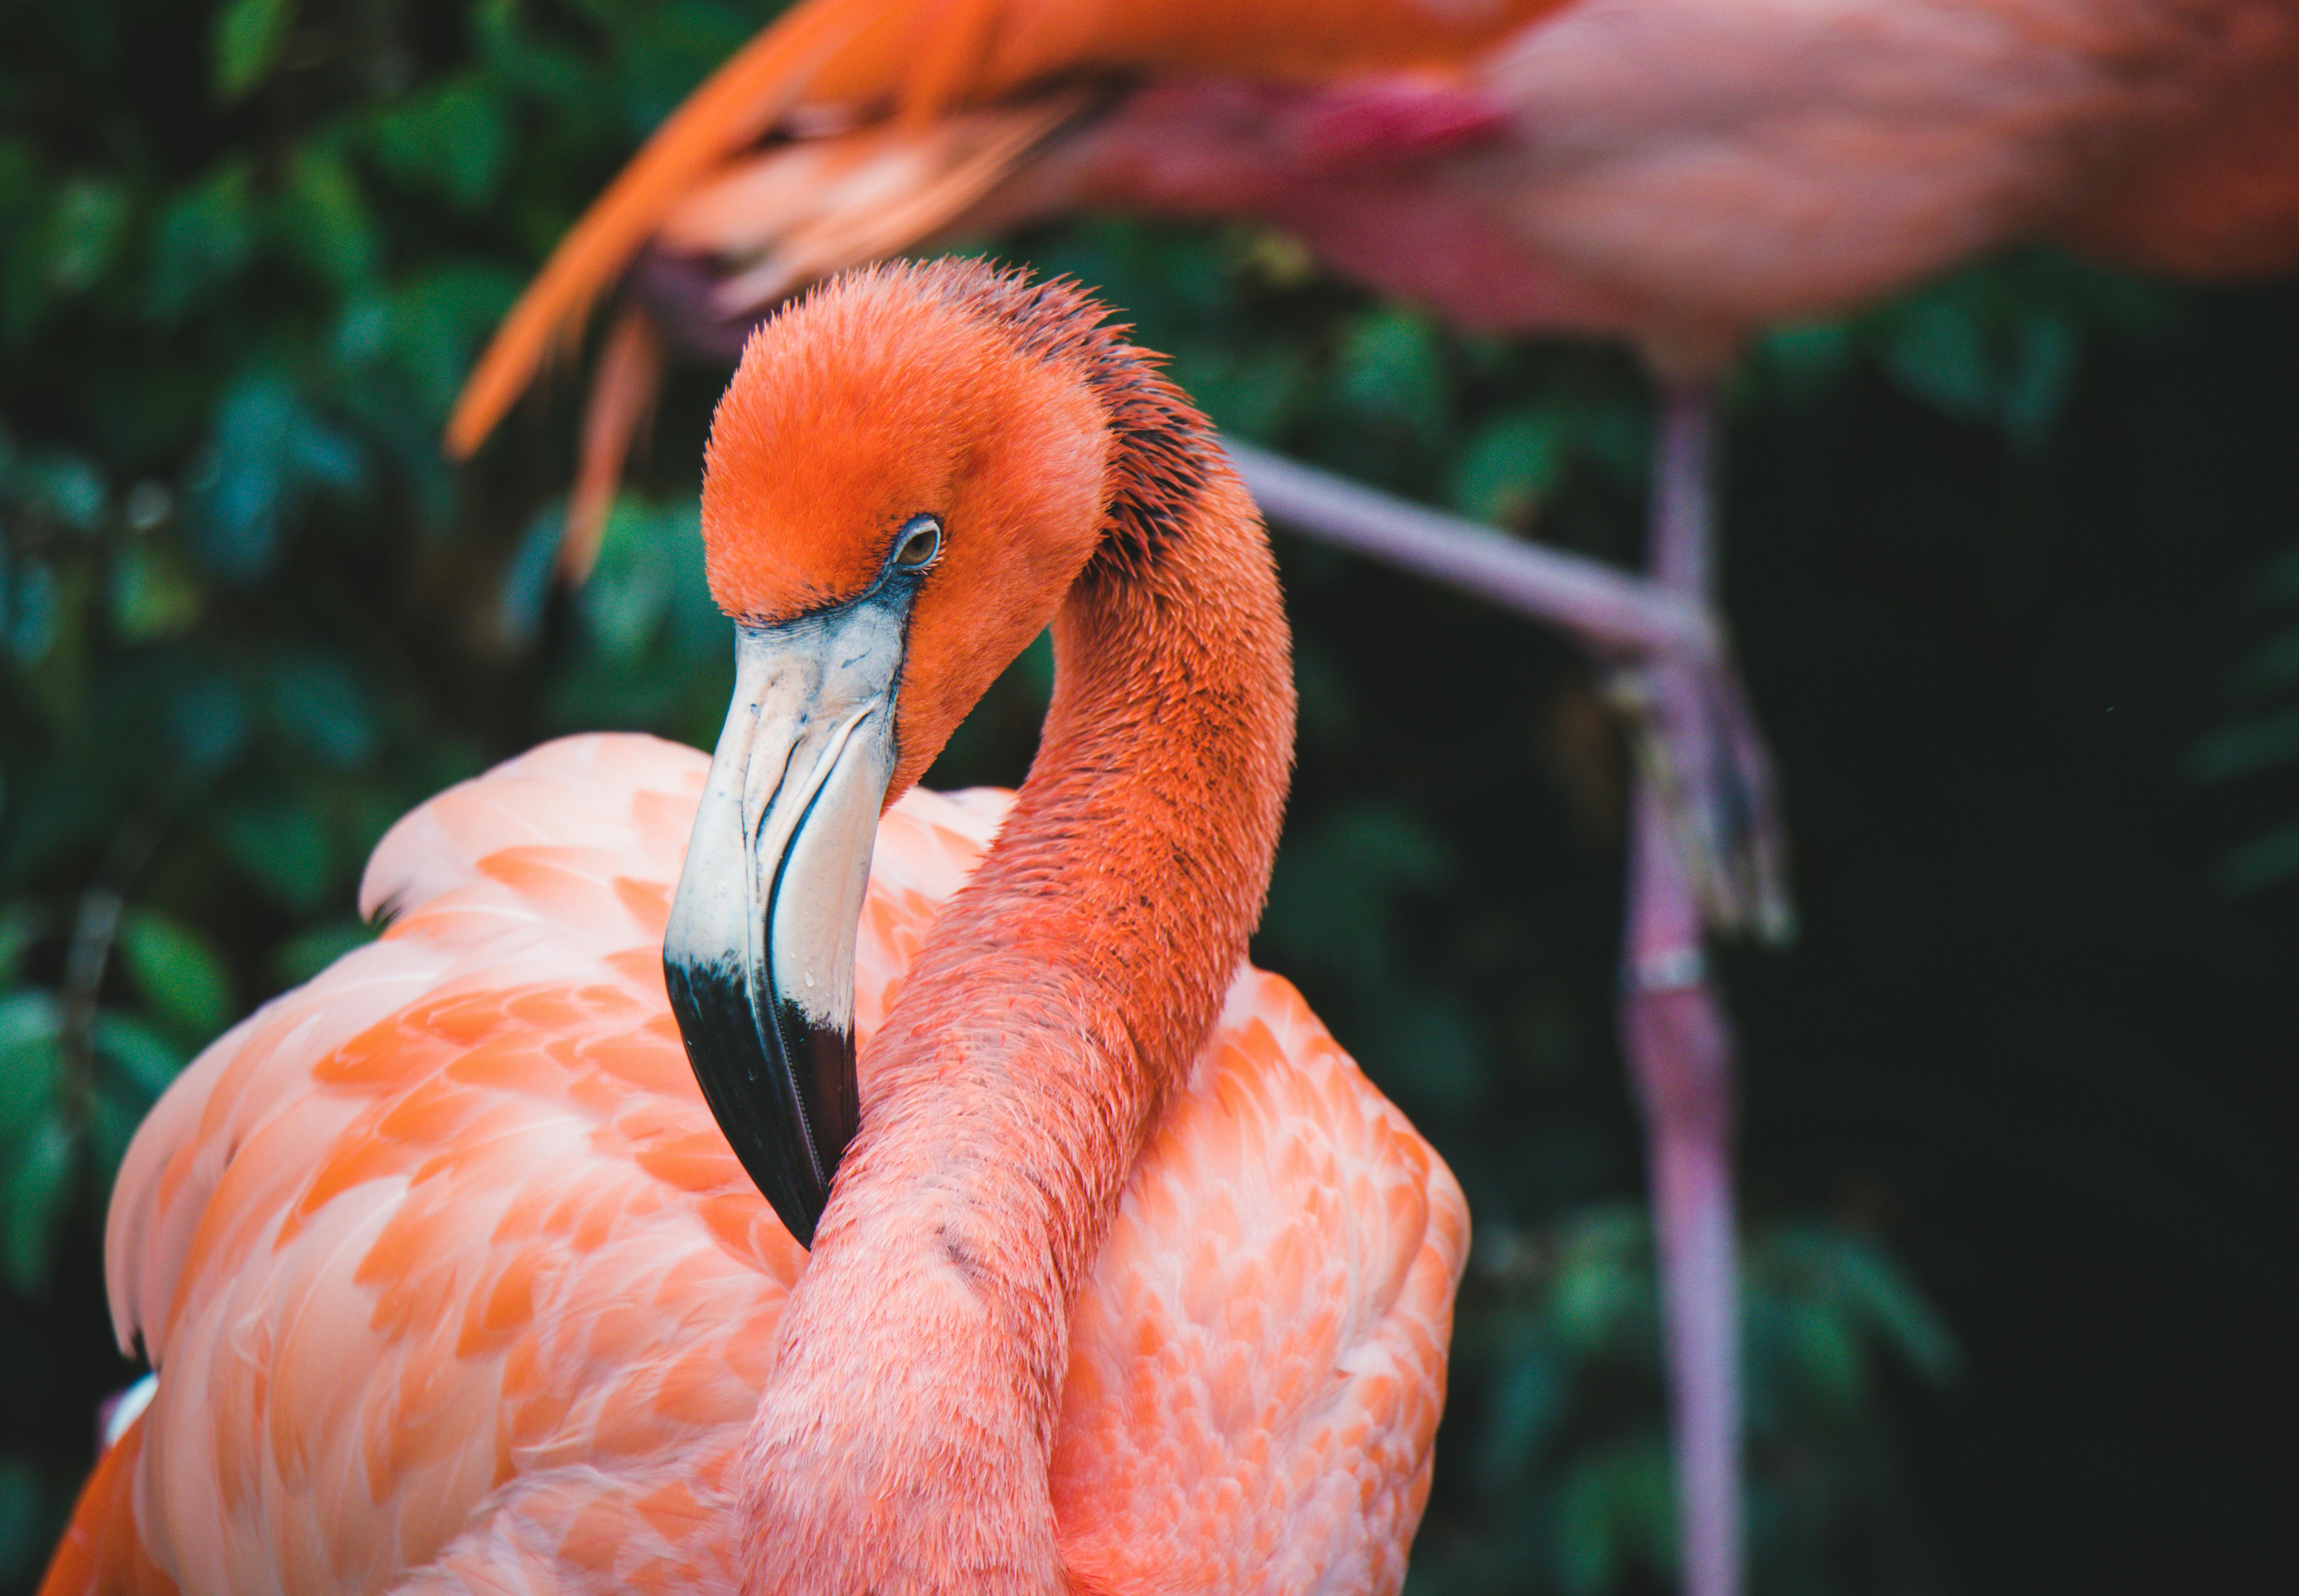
x: 921, y: 542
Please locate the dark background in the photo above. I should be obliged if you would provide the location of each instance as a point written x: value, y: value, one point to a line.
x: 2020, y: 1009
x: 2012, y: 565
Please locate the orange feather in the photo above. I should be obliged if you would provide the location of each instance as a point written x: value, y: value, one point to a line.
x: 623, y: 392
x: 918, y: 60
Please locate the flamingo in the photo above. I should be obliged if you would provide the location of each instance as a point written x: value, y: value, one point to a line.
x: 1678, y: 171
x: 461, y: 1274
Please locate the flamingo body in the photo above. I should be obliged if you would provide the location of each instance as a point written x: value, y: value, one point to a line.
x: 455, y: 1285
x: 1676, y: 171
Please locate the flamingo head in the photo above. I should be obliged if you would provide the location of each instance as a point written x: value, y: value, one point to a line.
x: 910, y: 469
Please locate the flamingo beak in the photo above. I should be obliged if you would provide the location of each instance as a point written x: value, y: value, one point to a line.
x: 760, y: 951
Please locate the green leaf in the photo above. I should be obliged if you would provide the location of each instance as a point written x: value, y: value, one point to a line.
x: 246, y: 41
x: 1825, y: 1354
x: 1251, y: 390
x: 1605, y: 1298
x: 1527, y: 1404
x: 204, y: 238
x: 154, y: 594
x: 654, y: 645
x: 321, y: 703
x: 327, y: 220
x: 209, y: 721
x: 28, y: 1525
x: 34, y: 1190
x: 632, y: 587
x: 177, y: 971
x: 283, y: 847
x: 428, y: 329
x: 2263, y: 861
x: 269, y: 451
x: 21, y: 924
x: 1809, y: 358
x: 1617, y: 1508
x: 2043, y: 369
x: 528, y: 576
x: 2244, y: 747
x: 1614, y: 436
x: 530, y: 65
x: 1510, y: 465
x: 678, y: 44
x: 453, y: 140
x: 60, y: 486
x: 1938, y: 353
x: 2271, y: 667
x: 1393, y: 366
x: 1888, y: 1300
x: 144, y: 1060
x: 30, y: 615
x: 84, y: 231
x: 31, y: 1023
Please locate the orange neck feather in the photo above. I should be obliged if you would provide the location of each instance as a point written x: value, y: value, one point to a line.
x: 1063, y: 994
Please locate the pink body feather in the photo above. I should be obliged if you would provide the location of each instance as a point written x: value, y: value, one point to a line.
x: 454, y: 1284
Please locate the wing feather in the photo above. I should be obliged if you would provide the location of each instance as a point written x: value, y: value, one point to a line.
x: 913, y: 61
x: 454, y: 1285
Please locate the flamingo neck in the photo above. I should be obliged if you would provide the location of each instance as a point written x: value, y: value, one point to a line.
x: 1062, y: 996
x: 1070, y: 985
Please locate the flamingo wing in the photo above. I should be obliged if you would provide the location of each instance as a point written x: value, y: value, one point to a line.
x: 838, y: 65
x: 1670, y: 166
x: 454, y: 1284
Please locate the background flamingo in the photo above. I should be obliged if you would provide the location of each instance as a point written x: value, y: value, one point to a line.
x: 1663, y: 167
x: 452, y: 1284
x: 1658, y: 167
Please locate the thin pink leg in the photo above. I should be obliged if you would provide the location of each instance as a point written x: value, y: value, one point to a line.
x: 1618, y: 614
x: 1679, y: 1046
x: 1680, y: 1049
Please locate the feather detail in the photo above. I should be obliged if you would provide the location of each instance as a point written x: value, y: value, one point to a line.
x: 738, y: 103
x: 101, y: 1553
x: 847, y: 62
x: 803, y: 210
x: 623, y: 392
x: 457, y: 1286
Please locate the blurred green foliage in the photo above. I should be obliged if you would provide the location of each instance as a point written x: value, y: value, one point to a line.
x: 250, y: 616
x: 2258, y: 736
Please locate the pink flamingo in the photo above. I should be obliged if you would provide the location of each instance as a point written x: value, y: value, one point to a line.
x: 1128, y: 1281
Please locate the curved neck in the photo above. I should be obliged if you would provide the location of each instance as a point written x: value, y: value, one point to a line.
x: 1072, y: 981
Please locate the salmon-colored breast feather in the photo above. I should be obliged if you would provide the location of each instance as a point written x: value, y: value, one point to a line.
x: 454, y: 1284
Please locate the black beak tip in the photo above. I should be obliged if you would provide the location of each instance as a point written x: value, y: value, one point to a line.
x: 783, y: 1094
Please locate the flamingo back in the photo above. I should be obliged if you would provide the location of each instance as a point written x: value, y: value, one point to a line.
x: 833, y: 62
x: 454, y: 1284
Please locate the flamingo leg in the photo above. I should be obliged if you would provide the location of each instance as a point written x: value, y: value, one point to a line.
x: 1617, y: 614
x: 1672, y: 1025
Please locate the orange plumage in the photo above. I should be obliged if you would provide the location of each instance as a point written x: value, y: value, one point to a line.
x: 1676, y: 170
x: 917, y: 60
x: 1130, y: 1281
